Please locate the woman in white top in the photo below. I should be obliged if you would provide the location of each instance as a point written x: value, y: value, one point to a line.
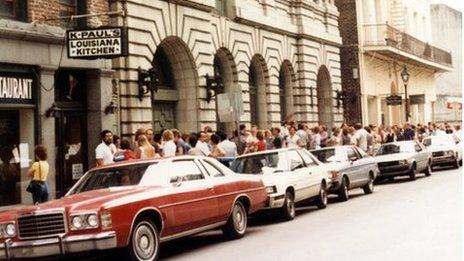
x: 145, y: 150
x: 169, y: 148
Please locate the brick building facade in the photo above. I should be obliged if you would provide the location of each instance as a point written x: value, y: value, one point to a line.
x: 66, y: 108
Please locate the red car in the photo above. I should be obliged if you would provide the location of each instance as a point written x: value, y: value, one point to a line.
x: 135, y: 206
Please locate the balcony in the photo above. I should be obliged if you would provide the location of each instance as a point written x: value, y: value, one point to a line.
x: 389, y: 41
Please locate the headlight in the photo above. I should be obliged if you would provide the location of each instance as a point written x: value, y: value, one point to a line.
x: 10, y: 230
x: 333, y: 175
x: 404, y: 162
x: 84, y: 221
x: 77, y: 222
x: 449, y: 152
x: 271, y: 189
x: 7, y: 230
x: 92, y: 220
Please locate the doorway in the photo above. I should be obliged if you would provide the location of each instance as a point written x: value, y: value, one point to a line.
x: 71, y: 128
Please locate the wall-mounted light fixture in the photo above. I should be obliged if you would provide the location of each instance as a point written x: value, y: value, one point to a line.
x: 147, y: 82
x: 53, y: 111
x: 111, y: 108
x: 213, y: 84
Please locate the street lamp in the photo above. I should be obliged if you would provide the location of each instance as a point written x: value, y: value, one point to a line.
x: 405, y: 77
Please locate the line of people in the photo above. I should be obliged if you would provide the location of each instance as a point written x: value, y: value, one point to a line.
x: 148, y: 144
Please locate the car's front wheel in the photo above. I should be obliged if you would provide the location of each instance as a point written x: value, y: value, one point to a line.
x: 369, y: 187
x: 144, y: 242
x: 428, y: 169
x: 288, y: 209
x: 237, y: 223
x: 343, y: 194
x: 322, y: 198
x: 412, y: 173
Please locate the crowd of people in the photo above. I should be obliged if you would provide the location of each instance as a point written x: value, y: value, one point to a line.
x: 148, y: 144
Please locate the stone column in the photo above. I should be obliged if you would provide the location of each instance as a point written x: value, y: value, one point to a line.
x: 47, y: 124
x: 99, y: 96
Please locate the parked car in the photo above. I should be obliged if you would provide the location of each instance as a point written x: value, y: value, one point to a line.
x: 446, y: 150
x: 135, y: 206
x: 350, y: 167
x: 290, y: 176
x: 403, y: 158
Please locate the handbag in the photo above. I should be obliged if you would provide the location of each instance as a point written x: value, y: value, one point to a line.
x: 31, y: 188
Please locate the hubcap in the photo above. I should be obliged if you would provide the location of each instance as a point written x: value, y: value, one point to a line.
x: 290, y: 206
x: 346, y: 189
x: 239, y: 218
x: 145, y: 242
x: 371, y: 184
x: 323, y: 196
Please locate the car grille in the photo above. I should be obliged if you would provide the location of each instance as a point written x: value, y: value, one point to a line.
x: 438, y: 154
x: 41, y: 225
x: 388, y: 164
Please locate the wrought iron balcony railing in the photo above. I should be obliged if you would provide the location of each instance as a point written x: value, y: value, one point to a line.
x: 386, y: 35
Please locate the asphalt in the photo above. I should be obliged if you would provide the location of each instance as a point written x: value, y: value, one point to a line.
x: 401, y: 220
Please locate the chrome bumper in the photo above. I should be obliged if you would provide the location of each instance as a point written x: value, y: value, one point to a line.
x: 276, y: 201
x: 57, y: 245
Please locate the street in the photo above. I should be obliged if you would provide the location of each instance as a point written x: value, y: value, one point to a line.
x: 401, y: 220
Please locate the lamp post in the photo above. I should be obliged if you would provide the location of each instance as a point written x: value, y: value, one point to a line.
x: 405, y: 77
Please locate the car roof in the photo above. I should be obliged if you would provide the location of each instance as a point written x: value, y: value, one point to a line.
x: 145, y: 161
x: 334, y: 147
x: 266, y: 152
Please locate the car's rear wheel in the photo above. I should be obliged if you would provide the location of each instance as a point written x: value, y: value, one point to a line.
x: 237, y: 223
x: 369, y: 187
x: 428, y: 169
x: 343, y: 194
x: 144, y: 242
x: 322, y: 198
x: 288, y: 209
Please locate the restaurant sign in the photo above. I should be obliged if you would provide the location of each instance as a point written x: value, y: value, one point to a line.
x: 103, y: 42
x: 16, y: 88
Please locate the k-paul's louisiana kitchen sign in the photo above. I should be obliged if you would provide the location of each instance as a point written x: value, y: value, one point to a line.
x: 17, y: 88
x: 103, y: 42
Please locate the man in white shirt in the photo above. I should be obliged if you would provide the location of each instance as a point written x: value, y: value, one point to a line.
x: 361, y: 136
x: 229, y: 147
x: 202, y: 146
x: 104, y: 152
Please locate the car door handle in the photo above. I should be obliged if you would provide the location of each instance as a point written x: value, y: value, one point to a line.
x: 210, y: 187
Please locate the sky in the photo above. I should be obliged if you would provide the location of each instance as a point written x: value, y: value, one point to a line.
x: 456, y: 4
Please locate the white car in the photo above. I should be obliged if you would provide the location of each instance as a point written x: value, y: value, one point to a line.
x: 290, y: 175
x: 350, y: 167
x: 446, y: 150
x: 403, y: 158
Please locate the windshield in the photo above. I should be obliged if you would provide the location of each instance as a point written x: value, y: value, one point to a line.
x: 395, y: 148
x: 329, y: 155
x: 257, y: 164
x: 110, y: 177
x: 439, y: 141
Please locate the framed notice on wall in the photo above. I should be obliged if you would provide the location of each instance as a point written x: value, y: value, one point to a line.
x: 97, y: 43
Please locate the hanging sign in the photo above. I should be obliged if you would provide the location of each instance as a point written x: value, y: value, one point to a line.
x: 394, y: 100
x: 103, y: 42
x: 16, y: 88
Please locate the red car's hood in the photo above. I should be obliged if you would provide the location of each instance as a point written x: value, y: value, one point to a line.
x: 91, y: 200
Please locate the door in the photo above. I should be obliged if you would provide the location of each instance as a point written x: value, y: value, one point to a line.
x: 314, y: 172
x: 300, y: 174
x: 422, y: 156
x: 71, y: 130
x: 193, y: 203
x: 356, y: 170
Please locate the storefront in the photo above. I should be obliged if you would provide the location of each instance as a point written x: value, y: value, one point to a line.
x: 18, y: 131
